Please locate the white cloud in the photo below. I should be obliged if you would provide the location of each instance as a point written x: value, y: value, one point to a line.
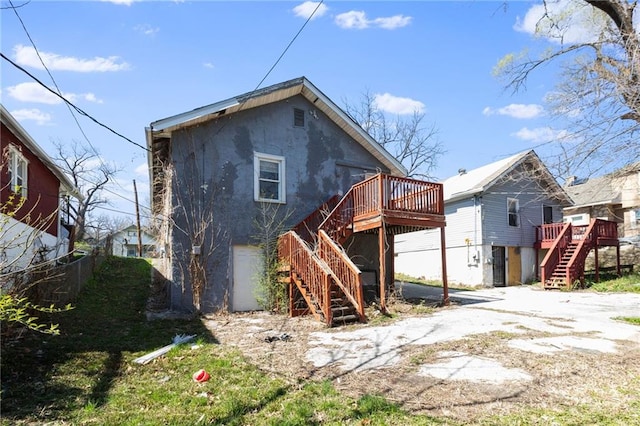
x: 34, y: 92
x: 33, y: 114
x: 392, y: 22
x: 304, y: 10
x: 516, y: 110
x: 27, y: 56
x: 142, y: 170
x: 208, y: 65
x: 122, y: 2
x: 91, y: 98
x: 574, y: 21
x: 358, y: 20
x: 397, y: 105
x: 540, y: 134
x: 146, y: 29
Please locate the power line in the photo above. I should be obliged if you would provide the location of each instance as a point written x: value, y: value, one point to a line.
x: 24, y: 27
x: 276, y: 62
x: 35, y: 48
x: 289, y: 45
x: 78, y: 109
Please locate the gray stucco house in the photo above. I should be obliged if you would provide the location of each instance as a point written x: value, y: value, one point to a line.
x: 235, y: 173
x: 492, y: 214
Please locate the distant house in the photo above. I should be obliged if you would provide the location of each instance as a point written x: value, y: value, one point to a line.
x: 125, y: 242
x: 492, y: 213
x: 282, y: 161
x: 31, y: 192
x: 614, y: 197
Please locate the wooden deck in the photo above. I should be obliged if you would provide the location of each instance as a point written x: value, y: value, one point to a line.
x: 384, y: 205
x: 568, y: 247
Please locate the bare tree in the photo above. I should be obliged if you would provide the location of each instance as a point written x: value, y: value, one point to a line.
x: 90, y: 175
x: 102, y: 225
x: 197, y: 227
x: 597, y: 44
x: 412, y: 142
x: 269, y: 223
x: 26, y: 261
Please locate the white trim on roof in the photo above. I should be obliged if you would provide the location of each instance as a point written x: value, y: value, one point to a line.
x: 185, y: 117
x: 307, y: 90
x: 16, y: 128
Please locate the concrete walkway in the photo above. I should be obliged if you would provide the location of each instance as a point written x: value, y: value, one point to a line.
x: 515, y: 310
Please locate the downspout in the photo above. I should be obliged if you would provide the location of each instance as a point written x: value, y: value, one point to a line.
x: 476, y: 255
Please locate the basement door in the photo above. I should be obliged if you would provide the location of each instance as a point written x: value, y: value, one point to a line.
x: 514, y: 262
x: 246, y: 267
x: 499, y: 270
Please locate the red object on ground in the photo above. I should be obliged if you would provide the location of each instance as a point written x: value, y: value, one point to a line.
x: 201, y: 376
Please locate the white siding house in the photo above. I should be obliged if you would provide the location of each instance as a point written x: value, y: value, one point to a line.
x: 491, y: 214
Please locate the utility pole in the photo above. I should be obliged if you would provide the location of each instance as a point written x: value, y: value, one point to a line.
x: 135, y: 190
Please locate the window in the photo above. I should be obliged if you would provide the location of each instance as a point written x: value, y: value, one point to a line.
x: 17, y: 172
x: 513, y: 210
x: 547, y: 214
x: 298, y: 117
x: 269, y: 182
x: 132, y: 234
x: 635, y: 219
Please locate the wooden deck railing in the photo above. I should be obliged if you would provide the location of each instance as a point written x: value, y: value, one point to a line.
x: 292, y: 249
x: 560, y: 244
x: 373, y: 196
x: 586, y: 237
x: 381, y: 193
x: 347, y: 275
x: 549, y: 232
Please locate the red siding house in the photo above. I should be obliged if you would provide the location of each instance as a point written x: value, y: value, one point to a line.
x: 32, y: 189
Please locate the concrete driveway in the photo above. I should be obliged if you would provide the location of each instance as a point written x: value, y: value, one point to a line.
x: 567, y: 321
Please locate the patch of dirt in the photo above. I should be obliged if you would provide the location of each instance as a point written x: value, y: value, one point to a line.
x: 278, y: 345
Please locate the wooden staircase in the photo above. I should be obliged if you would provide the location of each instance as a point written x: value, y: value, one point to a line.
x: 322, y: 279
x: 563, y: 265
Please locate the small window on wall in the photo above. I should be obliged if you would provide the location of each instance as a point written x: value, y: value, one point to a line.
x: 635, y: 219
x: 269, y: 182
x: 298, y: 117
x: 513, y: 211
x: 547, y: 214
x: 17, y: 172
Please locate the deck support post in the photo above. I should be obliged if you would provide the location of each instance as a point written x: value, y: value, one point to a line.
x: 383, y: 272
x: 595, y: 255
x: 445, y: 283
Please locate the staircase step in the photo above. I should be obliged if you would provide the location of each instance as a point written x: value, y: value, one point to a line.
x: 347, y: 319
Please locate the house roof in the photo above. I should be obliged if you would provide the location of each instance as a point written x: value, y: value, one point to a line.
x: 592, y: 192
x: 599, y: 190
x: 66, y: 186
x: 160, y: 129
x: 468, y: 183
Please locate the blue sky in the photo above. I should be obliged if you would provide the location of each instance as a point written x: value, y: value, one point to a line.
x: 128, y: 63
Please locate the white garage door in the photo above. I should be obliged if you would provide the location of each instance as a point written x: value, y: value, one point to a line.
x: 246, y: 266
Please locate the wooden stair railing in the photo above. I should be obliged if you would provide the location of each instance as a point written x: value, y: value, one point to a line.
x: 570, y: 266
x: 347, y: 275
x: 307, y: 229
x: 335, y: 293
x: 308, y: 274
x: 555, y: 253
x: 311, y: 278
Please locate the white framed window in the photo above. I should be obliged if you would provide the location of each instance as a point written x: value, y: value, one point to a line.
x: 513, y: 211
x: 18, y: 171
x: 635, y: 219
x: 269, y: 178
